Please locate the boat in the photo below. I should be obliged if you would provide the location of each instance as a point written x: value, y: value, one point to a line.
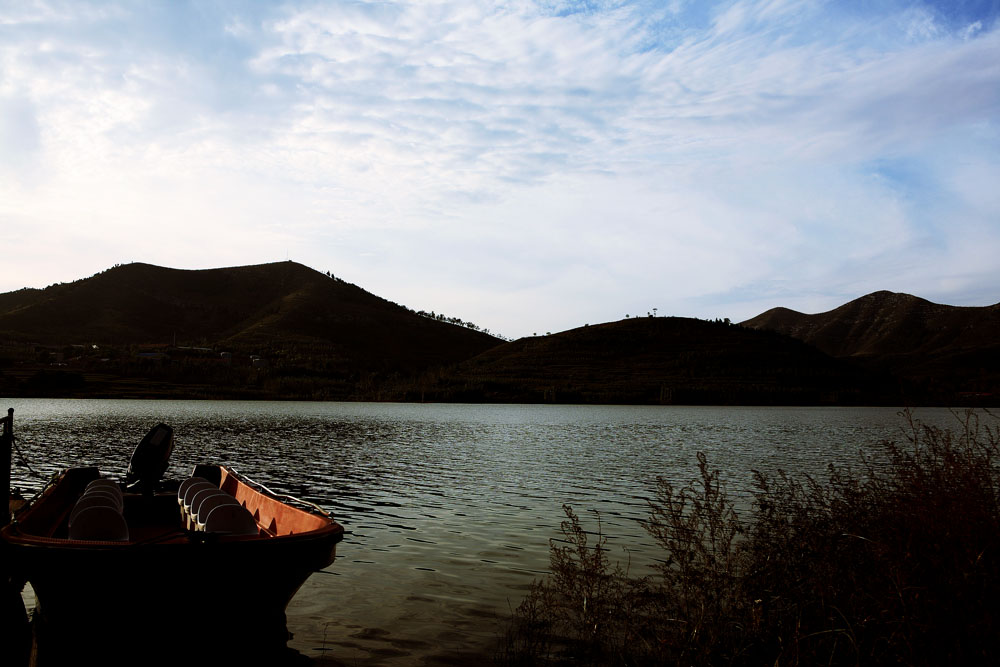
x: 164, y: 571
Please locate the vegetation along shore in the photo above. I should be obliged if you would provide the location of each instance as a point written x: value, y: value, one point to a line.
x: 894, y: 562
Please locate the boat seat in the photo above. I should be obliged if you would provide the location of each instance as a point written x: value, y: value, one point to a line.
x: 99, y: 523
x: 189, y: 496
x: 193, y: 489
x: 210, y: 503
x: 103, y: 483
x: 185, y: 485
x: 200, y: 497
x: 103, y: 492
x: 93, y: 500
x: 231, y: 520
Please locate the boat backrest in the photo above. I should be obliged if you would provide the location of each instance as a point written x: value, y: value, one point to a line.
x: 192, y: 491
x: 99, y: 523
x: 185, y: 485
x: 210, y: 503
x: 104, y: 484
x: 231, y: 520
x: 102, y: 492
x: 187, y: 514
x: 92, y: 500
x: 202, y: 496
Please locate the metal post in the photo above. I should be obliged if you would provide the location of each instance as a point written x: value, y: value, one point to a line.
x: 15, y: 633
x: 6, y: 449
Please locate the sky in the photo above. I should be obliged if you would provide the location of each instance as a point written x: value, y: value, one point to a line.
x: 526, y: 165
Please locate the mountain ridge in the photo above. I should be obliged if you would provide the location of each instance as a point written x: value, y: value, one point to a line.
x: 289, y: 331
x: 884, y: 322
x: 284, y: 311
x: 659, y: 360
x: 939, y: 347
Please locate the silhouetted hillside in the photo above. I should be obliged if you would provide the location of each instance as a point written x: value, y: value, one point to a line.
x: 296, y: 322
x: 943, y: 349
x: 283, y: 330
x: 657, y: 360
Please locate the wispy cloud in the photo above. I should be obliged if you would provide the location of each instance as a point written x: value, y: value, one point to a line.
x: 525, y: 165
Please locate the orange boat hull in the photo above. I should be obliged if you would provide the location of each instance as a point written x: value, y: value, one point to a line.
x: 166, y: 590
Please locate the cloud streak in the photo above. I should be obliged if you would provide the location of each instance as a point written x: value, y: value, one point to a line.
x: 524, y: 165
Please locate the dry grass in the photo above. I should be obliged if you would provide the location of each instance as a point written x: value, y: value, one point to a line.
x: 898, y: 563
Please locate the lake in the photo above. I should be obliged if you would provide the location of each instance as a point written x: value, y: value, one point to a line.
x: 449, y: 508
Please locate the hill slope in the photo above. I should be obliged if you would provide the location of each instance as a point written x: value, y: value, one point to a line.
x: 284, y: 310
x: 658, y: 360
x: 949, y: 348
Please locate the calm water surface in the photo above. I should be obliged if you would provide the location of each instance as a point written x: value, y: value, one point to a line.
x: 448, y: 508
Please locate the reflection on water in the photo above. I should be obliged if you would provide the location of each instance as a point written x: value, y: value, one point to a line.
x: 448, y: 508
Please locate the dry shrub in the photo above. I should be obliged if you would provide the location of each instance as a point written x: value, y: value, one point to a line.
x: 895, y: 563
x: 697, y: 595
x: 587, y: 610
x: 901, y: 565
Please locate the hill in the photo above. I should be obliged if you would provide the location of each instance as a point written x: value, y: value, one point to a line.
x: 283, y: 330
x: 944, y: 350
x: 286, y: 315
x: 656, y: 360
